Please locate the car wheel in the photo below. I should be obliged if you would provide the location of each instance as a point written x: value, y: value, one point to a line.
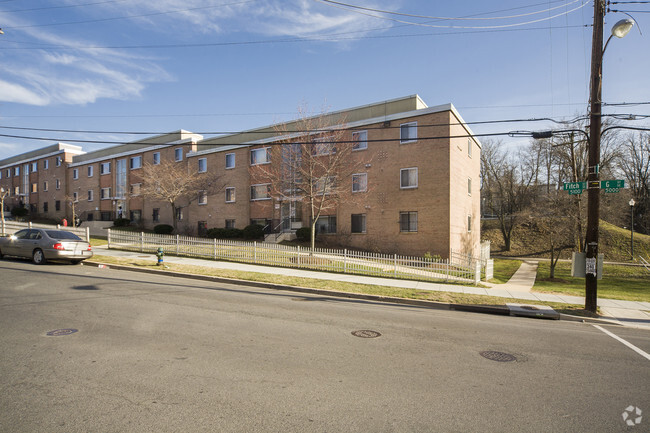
x: 75, y: 262
x: 39, y: 257
x: 1, y: 255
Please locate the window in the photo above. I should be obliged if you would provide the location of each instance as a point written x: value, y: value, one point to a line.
x: 178, y: 154
x: 45, y: 207
x: 135, y: 216
x: 359, y: 182
x: 16, y: 190
x: 135, y: 163
x: 45, y: 185
x: 323, y: 146
x: 469, y: 186
x: 58, y: 161
x: 326, y: 224
x: 46, y: 164
x: 230, y: 160
x: 155, y: 216
x: 230, y: 224
x: 57, y: 205
x: 8, y: 172
x: 260, y: 156
x: 75, y: 196
x: 34, y: 168
x: 35, y: 187
x: 469, y: 223
x: 156, y: 158
x: 135, y: 189
x: 105, y: 168
x: 90, y: 195
x: 408, y: 178
x: 469, y: 147
x: 58, y: 184
x: 230, y: 194
x: 203, y: 197
x: 324, y: 185
x: 203, y: 165
x: 358, y: 223
x: 16, y: 171
x: 261, y: 192
x: 75, y: 173
x: 360, y: 139
x: 408, y: 221
x: 179, y: 214
x: 408, y: 132
x: 105, y: 194
x: 90, y: 171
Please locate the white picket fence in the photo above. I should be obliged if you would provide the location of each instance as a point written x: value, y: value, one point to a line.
x: 459, y: 268
x: 13, y: 226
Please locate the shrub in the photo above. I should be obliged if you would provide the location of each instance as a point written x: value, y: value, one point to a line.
x: 121, y: 222
x: 163, y: 229
x: 19, y: 211
x: 253, y: 231
x: 223, y: 233
x: 303, y: 233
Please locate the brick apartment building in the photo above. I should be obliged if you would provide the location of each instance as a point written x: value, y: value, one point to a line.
x: 417, y: 189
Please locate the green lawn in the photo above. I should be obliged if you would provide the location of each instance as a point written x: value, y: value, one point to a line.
x: 619, y: 282
x: 504, y: 269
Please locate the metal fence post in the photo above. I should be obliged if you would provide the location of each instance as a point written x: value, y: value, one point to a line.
x: 298, y: 256
x: 142, y: 242
x: 109, y: 238
x: 255, y: 252
x: 177, y: 244
x: 215, y: 248
x: 395, y: 263
x: 345, y: 260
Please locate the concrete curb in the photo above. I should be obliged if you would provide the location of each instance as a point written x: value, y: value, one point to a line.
x: 583, y: 319
x: 484, y: 309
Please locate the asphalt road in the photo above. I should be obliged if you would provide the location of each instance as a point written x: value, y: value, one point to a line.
x: 160, y: 354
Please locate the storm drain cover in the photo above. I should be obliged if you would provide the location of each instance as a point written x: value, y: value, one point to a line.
x: 498, y: 356
x: 60, y: 332
x: 366, y: 333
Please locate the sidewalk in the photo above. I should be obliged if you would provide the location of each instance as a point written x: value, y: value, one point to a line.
x: 517, y: 289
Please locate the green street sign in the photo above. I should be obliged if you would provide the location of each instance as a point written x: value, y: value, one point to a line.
x: 574, y: 187
x: 609, y: 186
x: 612, y: 185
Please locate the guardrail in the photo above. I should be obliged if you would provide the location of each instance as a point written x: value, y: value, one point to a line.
x: 460, y: 268
x: 13, y: 226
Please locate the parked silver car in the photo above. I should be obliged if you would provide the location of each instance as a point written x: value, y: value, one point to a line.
x: 42, y: 245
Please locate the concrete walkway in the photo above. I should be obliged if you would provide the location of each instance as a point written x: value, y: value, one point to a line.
x: 517, y: 289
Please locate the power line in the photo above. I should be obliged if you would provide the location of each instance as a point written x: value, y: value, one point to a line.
x: 64, y: 7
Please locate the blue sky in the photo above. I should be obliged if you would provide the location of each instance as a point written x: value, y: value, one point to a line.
x: 230, y: 65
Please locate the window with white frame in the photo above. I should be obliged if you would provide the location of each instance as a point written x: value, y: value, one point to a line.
x: 45, y: 185
x: 326, y: 224
x: 408, y: 221
x: 75, y: 196
x: 105, y: 193
x: 75, y: 173
x: 16, y: 191
x: 59, y: 160
x: 469, y: 186
x: 8, y: 172
x: 358, y: 223
x: 360, y: 140
x: 359, y: 182
x: 90, y: 195
x: 46, y: 164
x: 16, y: 171
x: 105, y: 168
x: 261, y: 192
x: 408, y: 178
x: 323, y: 146
x: 178, y: 154
x: 90, y: 171
x: 179, y: 214
x: 260, y: 156
x: 230, y: 223
x: 203, y: 165
x: 230, y: 194
x: 34, y: 168
x: 135, y: 189
x: 324, y: 185
x: 34, y: 187
x: 203, y: 197
x: 469, y: 223
x: 58, y: 184
x: 408, y: 132
x: 136, y: 162
x: 230, y: 160
x: 469, y: 147
x: 156, y: 158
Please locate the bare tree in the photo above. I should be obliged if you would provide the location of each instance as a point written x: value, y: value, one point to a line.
x: 506, y: 187
x: 177, y: 185
x: 635, y: 165
x: 314, y: 164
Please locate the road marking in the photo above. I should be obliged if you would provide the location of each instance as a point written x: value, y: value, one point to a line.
x: 628, y: 344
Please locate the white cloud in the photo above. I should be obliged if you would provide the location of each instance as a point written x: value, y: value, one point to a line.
x: 12, y: 92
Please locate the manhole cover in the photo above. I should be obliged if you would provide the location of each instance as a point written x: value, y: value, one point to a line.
x: 498, y: 356
x: 365, y: 333
x: 60, y: 332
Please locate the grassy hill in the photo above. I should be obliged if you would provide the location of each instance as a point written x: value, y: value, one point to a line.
x: 526, y: 242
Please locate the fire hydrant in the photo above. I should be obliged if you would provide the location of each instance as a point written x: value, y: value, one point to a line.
x: 160, y: 255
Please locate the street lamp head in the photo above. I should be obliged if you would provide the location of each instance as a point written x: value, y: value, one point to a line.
x: 622, y: 27
x: 632, y: 202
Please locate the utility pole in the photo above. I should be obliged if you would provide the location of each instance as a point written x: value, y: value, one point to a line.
x: 593, y: 179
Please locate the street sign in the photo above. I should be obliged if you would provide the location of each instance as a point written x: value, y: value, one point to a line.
x: 612, y: 185
x: 574, y: 187
x: 609, y: 186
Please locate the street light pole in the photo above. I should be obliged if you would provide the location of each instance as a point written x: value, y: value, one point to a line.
x: 632, y: 203
x: 593, y: 181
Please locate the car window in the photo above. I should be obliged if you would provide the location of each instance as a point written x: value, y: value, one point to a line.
x: 62, y: 235
x: 22, y: 234
x: 35, y: 234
